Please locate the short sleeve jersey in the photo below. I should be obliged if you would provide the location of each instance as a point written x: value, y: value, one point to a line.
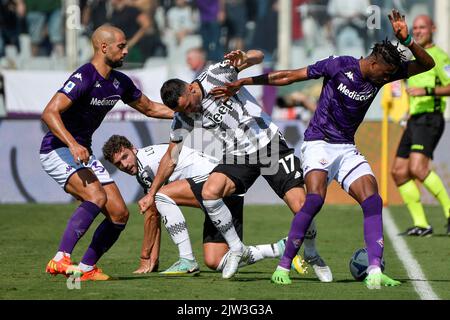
x: 92, y: 98
x: 240, y: 123
x: 436, y: 77
x: 345, y: 98
x: 191, y: 163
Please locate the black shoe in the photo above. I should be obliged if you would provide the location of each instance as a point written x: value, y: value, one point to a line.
x: 418, y: 232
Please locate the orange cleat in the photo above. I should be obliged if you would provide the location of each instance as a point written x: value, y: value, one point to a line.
x: 58, y: 267
x: 95, y: 274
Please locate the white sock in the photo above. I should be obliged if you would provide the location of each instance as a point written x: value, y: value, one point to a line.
x: 373, y: 269
x: 175, y: 224
x: 310, y: 241
x: 59, y: 255
x: 267, y: 250
x: 221, y: 217
x: 85, y: 267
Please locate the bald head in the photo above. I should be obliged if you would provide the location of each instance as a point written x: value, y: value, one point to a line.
x: 110, y: 46
x: 423, y: 29
x: 105, y: 34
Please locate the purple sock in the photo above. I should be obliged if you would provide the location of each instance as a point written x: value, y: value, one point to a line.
x: 105, y: 236
x: 301, y: 222
x: 373, y: 228
x: 77, y: 225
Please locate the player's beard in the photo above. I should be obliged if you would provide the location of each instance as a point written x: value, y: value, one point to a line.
x: 113, y: 64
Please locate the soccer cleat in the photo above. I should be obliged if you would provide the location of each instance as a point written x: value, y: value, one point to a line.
x: 182, y: 267
x: 418, y: 232
x: 232, y: 264
x: 322, y: 271
x: 299, y: 265
x: 281, y: 244
x: 377, y: 280
x: 281, y: 276
x: 58, y: 267
x: 95, y: 274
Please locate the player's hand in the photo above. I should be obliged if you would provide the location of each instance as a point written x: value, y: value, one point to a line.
x: 416, y: 92
x: 227, y: 91
x: 236, y: 57
x: 147, y: 203
x: 146, y: 266
x: 398, y: 25
x: 80, y: 154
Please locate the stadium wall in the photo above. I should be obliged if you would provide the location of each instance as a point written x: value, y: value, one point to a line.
x: 22, y: 179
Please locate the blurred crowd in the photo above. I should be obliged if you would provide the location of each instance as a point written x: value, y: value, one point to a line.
x: 168, y: 28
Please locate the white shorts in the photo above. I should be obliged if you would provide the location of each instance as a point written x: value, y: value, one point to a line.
x: 60, y: 165
x: 343, y: 162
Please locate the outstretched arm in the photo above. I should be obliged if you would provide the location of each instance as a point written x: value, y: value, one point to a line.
x: 151, y: 108
x: 275, y: 78
x: 165, y: 170
x: 243, y: 60
x: 423, y: 61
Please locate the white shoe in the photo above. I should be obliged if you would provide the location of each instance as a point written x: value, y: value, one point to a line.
x: 232, y: 264
x: 322, y: 271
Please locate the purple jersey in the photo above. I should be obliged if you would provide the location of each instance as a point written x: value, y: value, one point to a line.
x: 344, y: 100
x: 92, y: 98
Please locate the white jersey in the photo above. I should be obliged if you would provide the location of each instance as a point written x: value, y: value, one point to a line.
x: 239, y: 123
x: 191, y: 163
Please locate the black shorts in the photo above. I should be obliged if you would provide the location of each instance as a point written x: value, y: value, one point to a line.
x: 282, y: 167
x: 235, y: 203
x: 422, y: 134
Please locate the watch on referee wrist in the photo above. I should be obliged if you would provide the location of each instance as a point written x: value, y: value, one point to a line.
x: 429, y: 91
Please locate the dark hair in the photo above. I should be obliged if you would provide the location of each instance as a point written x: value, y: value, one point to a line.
x: 171, y: 91
x: 114, y: 144
x: 391, y: 54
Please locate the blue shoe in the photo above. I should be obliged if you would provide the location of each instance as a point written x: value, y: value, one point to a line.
x: 182, y: 267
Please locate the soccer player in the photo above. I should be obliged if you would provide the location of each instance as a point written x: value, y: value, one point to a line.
x: 184, y: 188
x: 329, y: 150
x: 72, y: 116
x: 252, y: 146
x: 423, y: 131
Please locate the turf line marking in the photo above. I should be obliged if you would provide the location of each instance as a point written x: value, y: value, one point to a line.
x: 411, y: 265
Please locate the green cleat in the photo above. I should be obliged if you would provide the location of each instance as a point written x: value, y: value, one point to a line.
x: 281, y: 277
x: 182, y: 267
x: 376, y: 280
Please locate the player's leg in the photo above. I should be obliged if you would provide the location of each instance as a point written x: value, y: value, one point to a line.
x: 168, y: 199
x: 316, y: 184
x: 410, y: 194
x: 106, y: 234
x: 361, y: 184
x: 218, y: 186
x: 83, y: 185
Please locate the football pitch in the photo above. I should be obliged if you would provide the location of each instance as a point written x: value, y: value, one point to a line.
x: 29, y: 236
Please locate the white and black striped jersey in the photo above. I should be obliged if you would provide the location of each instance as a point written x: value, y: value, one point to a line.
x: 239, y: 123
x: 191, y: 163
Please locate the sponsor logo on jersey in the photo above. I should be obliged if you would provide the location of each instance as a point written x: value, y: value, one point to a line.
x: 323, y: 162
x: 349, y: 75
x: 217, y: 117
x: 353, y: 94
x: 105, y: 102
x: 78, y: 76
x: 68, y: 87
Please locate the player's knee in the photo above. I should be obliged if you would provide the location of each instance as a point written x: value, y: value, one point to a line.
x: 211, y: 192
x: 98, y: 197
x: 121, y: 216
x: 418, y: 171
x: 399, y: 174
x: 211, y: 261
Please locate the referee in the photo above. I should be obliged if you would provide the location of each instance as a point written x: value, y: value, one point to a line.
x: 425, y: 126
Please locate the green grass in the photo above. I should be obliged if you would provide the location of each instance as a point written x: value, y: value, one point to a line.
x: 29, y: 236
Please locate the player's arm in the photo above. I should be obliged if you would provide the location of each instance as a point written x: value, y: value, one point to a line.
x: 165, y: 170
x: 151, y: 108
x: 423, y: 61
x: 275, y: 78
x: 150, y: 243
x: 51, y: 116
x: 242, y: 60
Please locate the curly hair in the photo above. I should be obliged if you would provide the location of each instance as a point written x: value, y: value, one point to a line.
x: 388, y: 52
x: 114, y: 144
